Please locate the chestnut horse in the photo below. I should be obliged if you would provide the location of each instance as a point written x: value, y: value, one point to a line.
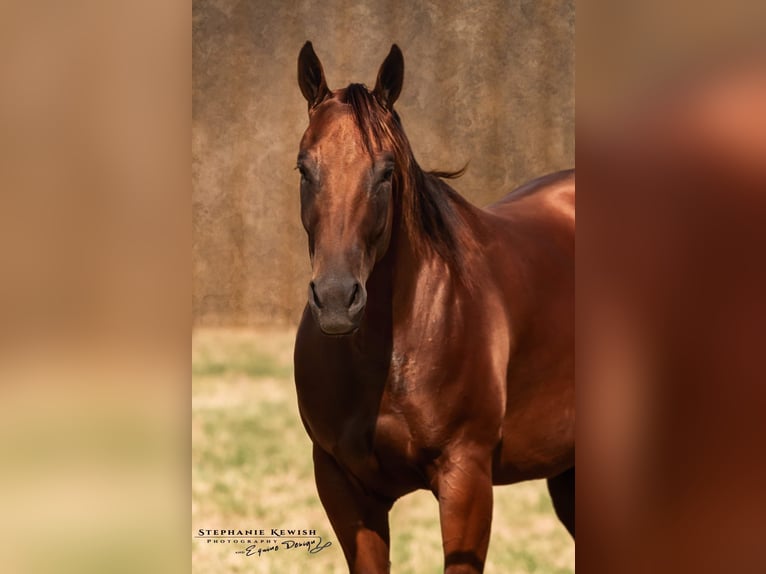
x: 436, y: 350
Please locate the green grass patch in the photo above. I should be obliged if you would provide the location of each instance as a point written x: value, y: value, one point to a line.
x: 237, y: 357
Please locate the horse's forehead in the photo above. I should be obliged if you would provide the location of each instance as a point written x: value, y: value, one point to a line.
x: 332, y: 124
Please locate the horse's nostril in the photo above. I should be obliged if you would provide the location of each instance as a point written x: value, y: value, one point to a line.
x: 354, y: 294
x: 315, y: 297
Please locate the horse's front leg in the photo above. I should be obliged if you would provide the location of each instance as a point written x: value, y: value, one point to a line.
x: 464, y: 490
x: 360, y: 521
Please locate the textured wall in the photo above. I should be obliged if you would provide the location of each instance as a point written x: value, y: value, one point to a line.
x: 486, y: 81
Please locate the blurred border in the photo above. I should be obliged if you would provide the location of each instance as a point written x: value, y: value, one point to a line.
x: 95, y: 295
x: 671, y: 160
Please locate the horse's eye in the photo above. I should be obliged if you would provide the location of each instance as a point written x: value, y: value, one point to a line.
x: 388, y: 174
x: 304, y: 175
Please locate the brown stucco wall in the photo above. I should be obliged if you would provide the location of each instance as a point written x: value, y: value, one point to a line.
x: 486, y: 82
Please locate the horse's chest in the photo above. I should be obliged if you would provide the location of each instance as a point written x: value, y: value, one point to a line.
x: 379, y: 447
x: 386, y: 426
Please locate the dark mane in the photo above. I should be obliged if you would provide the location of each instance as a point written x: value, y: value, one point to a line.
x: 428, y: 204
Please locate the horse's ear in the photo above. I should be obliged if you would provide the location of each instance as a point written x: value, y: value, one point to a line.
x: 390, y: 78
x: 311, y: 76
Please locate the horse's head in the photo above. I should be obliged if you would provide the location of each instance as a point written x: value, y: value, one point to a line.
x: 346, y: 187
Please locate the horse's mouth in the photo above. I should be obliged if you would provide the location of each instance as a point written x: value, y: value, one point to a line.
x: 339, y: 335
x: 336, y: 325
x: 340, y: 331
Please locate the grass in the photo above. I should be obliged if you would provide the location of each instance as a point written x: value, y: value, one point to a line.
x: 251, y: 469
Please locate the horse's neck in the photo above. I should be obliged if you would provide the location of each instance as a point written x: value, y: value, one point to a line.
x: 408, y: 268
x: 398, y: 275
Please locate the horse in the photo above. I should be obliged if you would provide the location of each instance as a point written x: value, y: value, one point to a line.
x: 436, y: 348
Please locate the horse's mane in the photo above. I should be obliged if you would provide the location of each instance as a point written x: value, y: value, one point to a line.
x: 428, y: 204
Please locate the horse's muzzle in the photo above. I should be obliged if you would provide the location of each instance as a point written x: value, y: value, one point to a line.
x: 337, y: 304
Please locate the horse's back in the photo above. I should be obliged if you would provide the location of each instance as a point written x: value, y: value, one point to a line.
x: 553, y: 194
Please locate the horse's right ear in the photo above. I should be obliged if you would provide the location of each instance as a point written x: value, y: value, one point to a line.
x: 390, y: 78
x: 311, y: 76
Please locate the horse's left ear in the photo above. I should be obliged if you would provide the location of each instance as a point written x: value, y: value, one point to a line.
x: 390, y: 78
